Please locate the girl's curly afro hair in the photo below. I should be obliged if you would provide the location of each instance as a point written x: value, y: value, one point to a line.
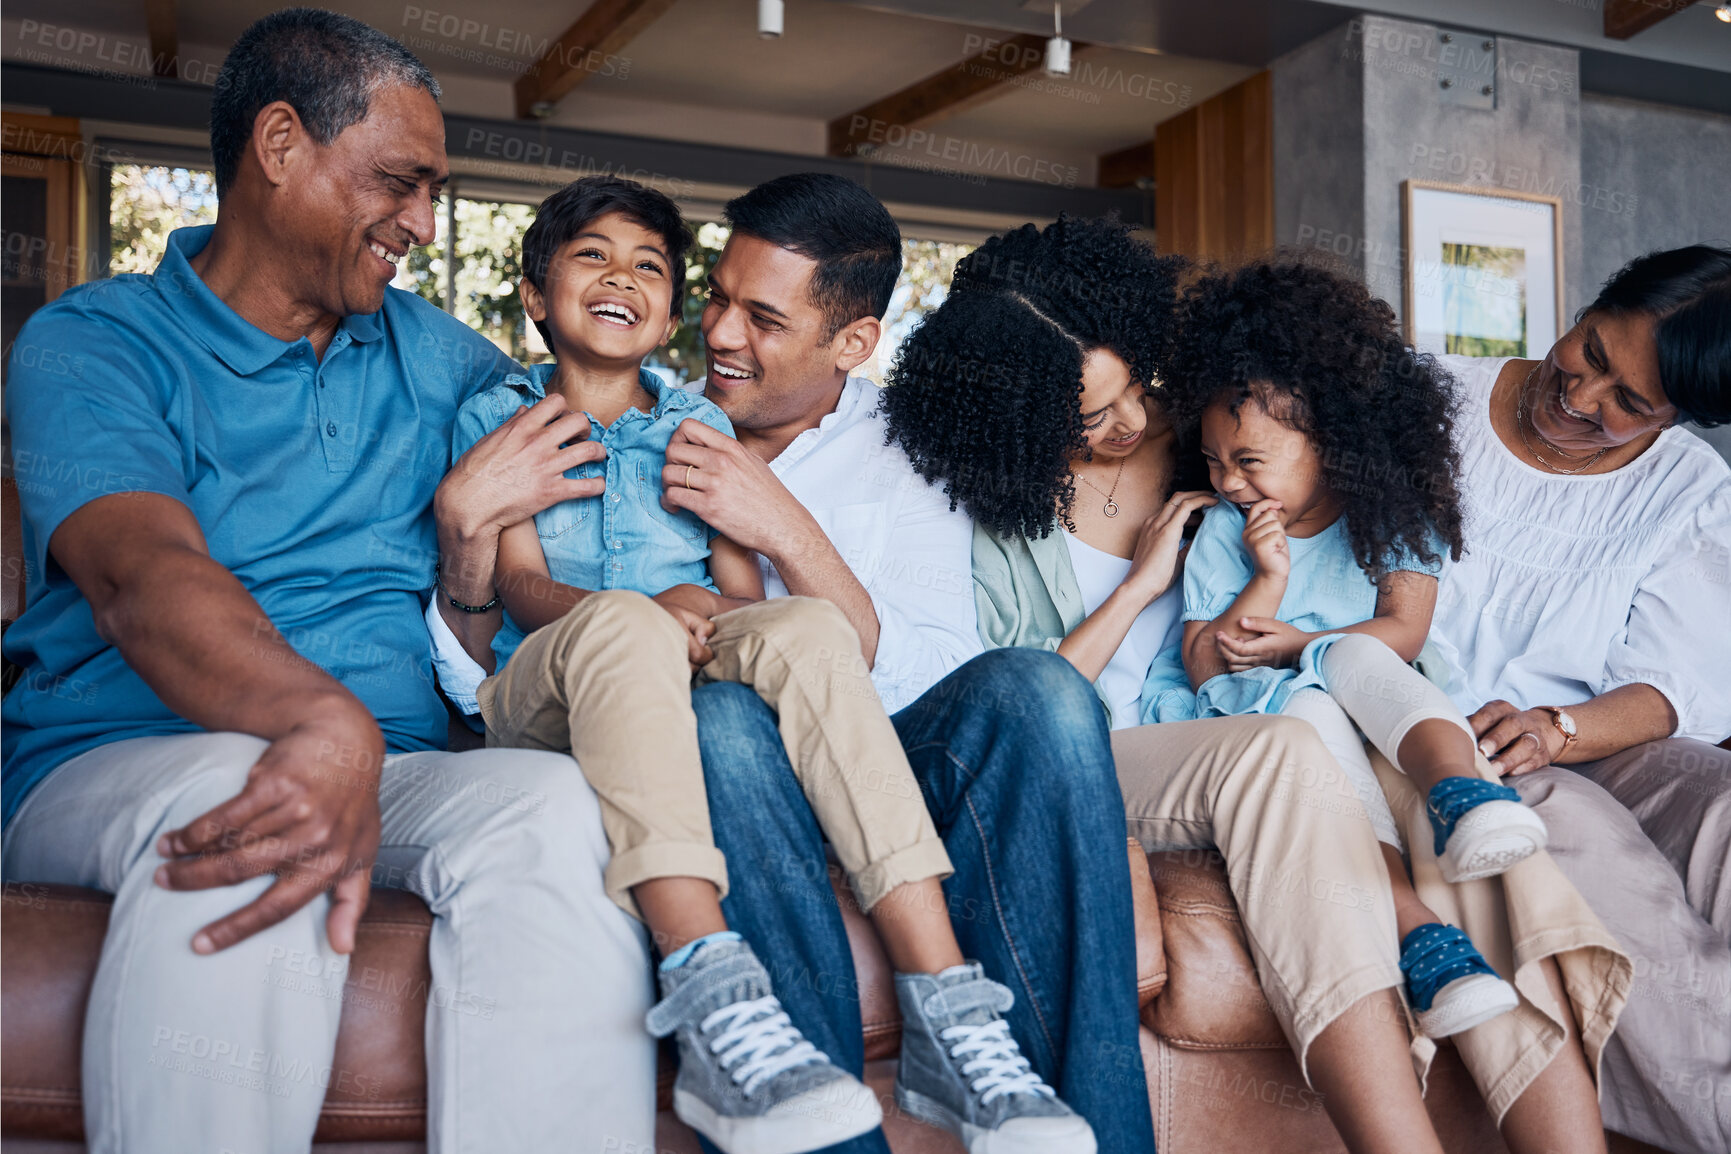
x: 985, y: 395
x: 1330, y: 357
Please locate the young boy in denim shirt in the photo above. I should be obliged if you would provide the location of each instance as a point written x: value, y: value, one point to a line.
x: 612, y: 604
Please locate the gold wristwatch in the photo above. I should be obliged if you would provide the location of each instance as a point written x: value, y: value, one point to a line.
x: 1565, y: 725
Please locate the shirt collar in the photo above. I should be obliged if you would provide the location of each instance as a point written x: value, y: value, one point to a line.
x: 237, y: 342
x: 534, y: 382
x: 858, y: 399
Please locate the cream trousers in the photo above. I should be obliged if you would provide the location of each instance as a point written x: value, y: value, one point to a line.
x: 1312, y: 890
x: 609, y: 683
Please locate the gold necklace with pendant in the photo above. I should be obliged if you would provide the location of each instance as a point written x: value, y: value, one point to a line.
x: 1523, y: 418
x: 1110, y: 508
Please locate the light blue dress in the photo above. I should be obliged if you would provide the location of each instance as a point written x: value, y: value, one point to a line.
x: 1325, y: 590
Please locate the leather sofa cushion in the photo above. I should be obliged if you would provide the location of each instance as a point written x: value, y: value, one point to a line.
x: 1212, y: 999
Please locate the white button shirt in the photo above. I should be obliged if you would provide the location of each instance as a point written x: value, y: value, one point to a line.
x: 898, y: 534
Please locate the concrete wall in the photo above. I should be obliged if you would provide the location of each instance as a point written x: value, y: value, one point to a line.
x: 1358, y: 111
x: 1318, y: 145
x: 1667, y: 172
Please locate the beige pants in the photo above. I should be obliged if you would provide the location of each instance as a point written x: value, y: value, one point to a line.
x: 609, y: 683
x: 1313, y: 892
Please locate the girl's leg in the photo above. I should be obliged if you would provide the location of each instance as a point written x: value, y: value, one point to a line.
x: 1409, y: 912
x: 1449, y: 984
x: 1411, y: 720
x: 570, y: 687
x: 1480, y: 827
x: 1560, y: 1109
x: 1266, y: 791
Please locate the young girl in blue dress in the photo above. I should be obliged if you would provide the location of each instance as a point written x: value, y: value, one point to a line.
x: 1310, y: 585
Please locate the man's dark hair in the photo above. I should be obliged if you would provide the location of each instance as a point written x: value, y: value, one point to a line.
x: 569, y: 211
x: 838, y: 224
x: 1688, y: 292
x: 325, y: 65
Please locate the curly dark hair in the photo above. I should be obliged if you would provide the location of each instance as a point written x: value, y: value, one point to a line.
x: 1330, y: 358
x: 985, y: 394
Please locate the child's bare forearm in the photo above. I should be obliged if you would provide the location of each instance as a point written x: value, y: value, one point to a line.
x: 1259, y: 598
x: 535, y: 599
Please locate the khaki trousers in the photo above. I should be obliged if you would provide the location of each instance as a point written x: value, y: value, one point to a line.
x: 1313, y: 895
x: 609, y: 683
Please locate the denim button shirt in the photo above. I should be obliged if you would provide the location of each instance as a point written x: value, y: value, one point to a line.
x: 622, y: 539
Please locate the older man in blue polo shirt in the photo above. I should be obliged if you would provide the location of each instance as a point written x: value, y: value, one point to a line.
x: 227, y: 717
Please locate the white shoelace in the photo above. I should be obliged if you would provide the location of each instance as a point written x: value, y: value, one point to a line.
x: 1000, y: 1064
x: 759, y: 1042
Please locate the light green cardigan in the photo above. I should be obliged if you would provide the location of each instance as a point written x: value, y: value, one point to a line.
x: 1026, y: 592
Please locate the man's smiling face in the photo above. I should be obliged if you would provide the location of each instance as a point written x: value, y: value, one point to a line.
x: 769, y: 356
x: 351, y: 210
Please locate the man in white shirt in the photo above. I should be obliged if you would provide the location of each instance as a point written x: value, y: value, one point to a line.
x: 1009, y: 747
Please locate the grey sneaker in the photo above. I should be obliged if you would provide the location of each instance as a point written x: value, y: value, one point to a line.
x: 961, y: 1070
x: 748, y: 1081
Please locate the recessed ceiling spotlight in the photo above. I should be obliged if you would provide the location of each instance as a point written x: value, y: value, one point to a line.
x: 769, y: 17
x: 1723, y: 12
x: 1058, y: 48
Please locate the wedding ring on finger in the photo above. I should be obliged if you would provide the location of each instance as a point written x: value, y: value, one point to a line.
x: 688, y: 469
x: 1535, y: 737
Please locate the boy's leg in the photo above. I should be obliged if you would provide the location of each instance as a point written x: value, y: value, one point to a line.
x: 781, y: 899
x: 609, y: 683
x: 1010, y: 751
x: 802, y: 657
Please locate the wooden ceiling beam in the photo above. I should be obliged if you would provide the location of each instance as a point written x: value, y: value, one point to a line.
x: 585, y: 48
x: 1624, y: 18
x: 974, y: 81
x: 159, y: 22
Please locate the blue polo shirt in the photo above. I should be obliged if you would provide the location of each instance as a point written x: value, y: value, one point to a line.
x: 312, y: 481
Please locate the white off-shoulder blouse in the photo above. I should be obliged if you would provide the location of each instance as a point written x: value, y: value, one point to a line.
x: 1573, y: 586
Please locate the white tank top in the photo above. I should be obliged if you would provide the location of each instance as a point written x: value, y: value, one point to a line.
x: 1098, y: 573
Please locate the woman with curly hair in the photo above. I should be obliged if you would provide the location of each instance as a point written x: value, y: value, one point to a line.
x: 1311, y: 583
x: 1027, y: 395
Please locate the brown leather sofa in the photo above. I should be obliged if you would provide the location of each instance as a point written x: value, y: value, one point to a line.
x: 1218, y: 1073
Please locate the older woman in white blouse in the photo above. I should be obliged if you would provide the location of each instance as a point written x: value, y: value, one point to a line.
x: 1590, y: 626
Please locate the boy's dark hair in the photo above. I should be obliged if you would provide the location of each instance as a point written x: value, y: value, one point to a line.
x: 1688, y: 292
x: 569, y: 211
x: 838, y: 224
x: 325, y: 65
x: 1325, y: 357
x: 985, y: 395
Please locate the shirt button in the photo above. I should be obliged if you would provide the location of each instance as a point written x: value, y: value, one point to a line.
x: 330, y: 428
x: 616, y: 496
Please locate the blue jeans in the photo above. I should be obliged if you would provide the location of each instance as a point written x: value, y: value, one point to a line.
x: 1012, y: 756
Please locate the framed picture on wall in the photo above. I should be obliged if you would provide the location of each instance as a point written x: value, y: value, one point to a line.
x: 1484, y: 270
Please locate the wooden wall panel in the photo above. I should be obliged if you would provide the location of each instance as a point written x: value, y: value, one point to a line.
x: 1214, y: 175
